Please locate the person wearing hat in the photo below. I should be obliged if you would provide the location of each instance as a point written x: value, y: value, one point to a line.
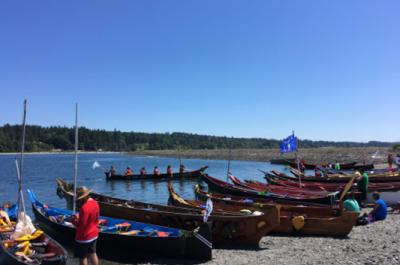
x: 362, y: 184
x: 86, y: 223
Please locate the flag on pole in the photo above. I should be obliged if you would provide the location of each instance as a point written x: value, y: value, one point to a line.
x: 289, y: 144
x: 95, y: 165
x: 209, y: 209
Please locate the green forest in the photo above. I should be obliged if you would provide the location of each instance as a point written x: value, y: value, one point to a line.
x: 40, y: 138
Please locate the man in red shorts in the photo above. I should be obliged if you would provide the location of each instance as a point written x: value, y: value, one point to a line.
x: 86, y: 223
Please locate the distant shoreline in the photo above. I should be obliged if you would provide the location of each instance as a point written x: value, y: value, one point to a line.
x: 311, y: 155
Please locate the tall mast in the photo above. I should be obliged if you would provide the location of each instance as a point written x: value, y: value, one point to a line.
x: 21, y: 201
x: 76, y: 157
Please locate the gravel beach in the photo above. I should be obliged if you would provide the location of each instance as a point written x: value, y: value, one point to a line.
x: 376, y: 243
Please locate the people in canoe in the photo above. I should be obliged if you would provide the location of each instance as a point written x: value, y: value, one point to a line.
x: 128, y: 172
x: 143, y: 172
x: 112, y: 171
x: 182, y: 168
x: 169, y: 170
x: 156, y: 171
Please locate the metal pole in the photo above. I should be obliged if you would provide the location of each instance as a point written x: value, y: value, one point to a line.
x: 76, y: 157
x: 21, y: 201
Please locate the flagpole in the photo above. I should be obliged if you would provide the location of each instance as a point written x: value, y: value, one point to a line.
x: 297, y: 159
x: 76, y: 157
x: 229, y: 162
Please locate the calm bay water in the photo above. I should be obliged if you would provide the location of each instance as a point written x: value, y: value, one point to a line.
x: 41, y: 170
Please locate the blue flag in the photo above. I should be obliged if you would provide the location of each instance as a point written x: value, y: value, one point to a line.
x: 289, y: 144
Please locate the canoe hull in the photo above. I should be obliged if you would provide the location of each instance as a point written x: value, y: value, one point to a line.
x: 233, y: 229
x: 185, y: 175
x: 319, y: 221
x: 127, y: 248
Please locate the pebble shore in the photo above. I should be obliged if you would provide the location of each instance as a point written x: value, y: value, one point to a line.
x: 376, y: 243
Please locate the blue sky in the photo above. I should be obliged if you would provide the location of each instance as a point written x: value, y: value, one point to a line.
x: 327, y: 69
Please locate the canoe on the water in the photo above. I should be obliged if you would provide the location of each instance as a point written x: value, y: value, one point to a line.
x: 227, y: 228
x: 318, y: 220
x: 185, y: 175
x: 227, y: 188
x: 127, y: 241
x: 41, y: 248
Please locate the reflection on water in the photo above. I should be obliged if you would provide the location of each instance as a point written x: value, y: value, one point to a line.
x: 40, y: 172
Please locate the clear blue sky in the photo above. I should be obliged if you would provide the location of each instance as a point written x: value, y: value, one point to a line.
x: 329, y: 70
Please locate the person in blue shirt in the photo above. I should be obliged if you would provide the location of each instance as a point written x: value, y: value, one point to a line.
x: 380, y: 209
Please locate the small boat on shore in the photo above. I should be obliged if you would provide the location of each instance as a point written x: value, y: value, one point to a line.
x: 127, y: 241
x: 290, y: 195
x: 185, y: 175
x: 343, y: 166
x: 228, y: 228
x: 294, y: 219
x: 35, y: 249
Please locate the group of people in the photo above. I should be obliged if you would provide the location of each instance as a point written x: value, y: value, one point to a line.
x: 156, y: 171
x: 379, y: 210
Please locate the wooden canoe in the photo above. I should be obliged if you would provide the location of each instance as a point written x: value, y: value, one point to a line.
x: 47, y: 250
x: 185, y: 175
x: 227, y: 228
x: 139, y: 241
x: 335, y: 186
x: 319, y: 220
x: 373, y: 177
x: 227, y: 188
x: 279, y: 189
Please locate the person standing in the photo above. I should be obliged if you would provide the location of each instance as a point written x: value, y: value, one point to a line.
x: 390, y: 161
x: 86, y: 223
x: 362, y: 185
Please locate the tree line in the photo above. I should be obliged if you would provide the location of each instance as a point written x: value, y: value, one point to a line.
x: 39, y: 138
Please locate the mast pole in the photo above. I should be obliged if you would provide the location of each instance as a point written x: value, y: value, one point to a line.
x: 76, y: 157
x: 21, y: 201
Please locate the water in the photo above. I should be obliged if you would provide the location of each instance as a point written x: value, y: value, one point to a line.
x: 41, y: 170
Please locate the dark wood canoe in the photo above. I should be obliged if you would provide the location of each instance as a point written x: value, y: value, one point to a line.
x: 227, y: 188
x: 227, y: 228
x: 373, y: 178
x: 320, y: 220
x: 140, y: 241
x: 185, y: 175
x: 48, y: 251
x: 318, y: 186
x: 279, y: 189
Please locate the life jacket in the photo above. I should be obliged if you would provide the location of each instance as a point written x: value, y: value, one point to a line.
x: 156, y: 172
x: 169, y: 171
